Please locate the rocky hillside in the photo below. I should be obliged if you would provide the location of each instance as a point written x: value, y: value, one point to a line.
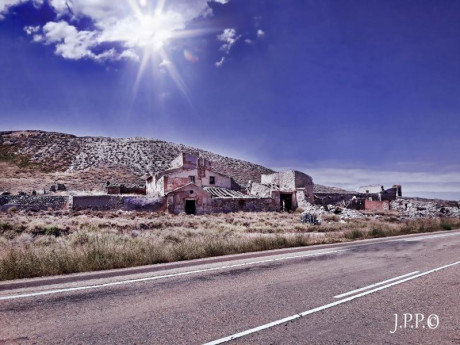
x: 30, y: 159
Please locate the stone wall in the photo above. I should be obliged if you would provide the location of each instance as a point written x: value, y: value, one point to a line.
x: 287, y: 180
x: 144, y: 204
x: 118, y: 202
x: 132, y: 190
x: 97, y: 202
x: 34, y: 202
x: 325, y: 199
x: 244, y: 205
x: 355, y: 201
x: 176, y: 200
x: 260, y: 190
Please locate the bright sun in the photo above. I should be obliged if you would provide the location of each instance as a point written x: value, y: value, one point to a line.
x: 151, y: 29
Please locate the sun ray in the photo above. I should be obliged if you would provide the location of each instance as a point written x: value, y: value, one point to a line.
x: 153, y: 29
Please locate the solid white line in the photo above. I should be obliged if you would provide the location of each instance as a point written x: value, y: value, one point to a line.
x: 87, y: 287
x: 330, y: 305
x: 430, y: 236
x: 374, y: 285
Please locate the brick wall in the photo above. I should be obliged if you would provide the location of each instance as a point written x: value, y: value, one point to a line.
x: 376, y: 205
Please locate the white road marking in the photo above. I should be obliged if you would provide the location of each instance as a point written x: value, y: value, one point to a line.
x: 418, y: 238
x: 326, y: 306
x: 374, y: 285
x: 130, y: 281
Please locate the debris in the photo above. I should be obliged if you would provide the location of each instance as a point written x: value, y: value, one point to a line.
x: 415, y: 208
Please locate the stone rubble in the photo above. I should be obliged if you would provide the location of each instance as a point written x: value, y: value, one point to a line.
x: 405, y: 208
x: 319, y: 211
x: 414, y: 208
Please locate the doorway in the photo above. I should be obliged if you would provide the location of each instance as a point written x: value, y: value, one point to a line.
x: 190, y: 207
x: 286, y: 201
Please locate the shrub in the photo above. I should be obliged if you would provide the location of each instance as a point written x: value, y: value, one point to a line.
x: 354, y: 234
x: 446, y: 224
x: 378, y: 232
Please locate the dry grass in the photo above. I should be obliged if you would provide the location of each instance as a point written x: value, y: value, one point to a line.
x: 15, y: 179
x: 50, y: 243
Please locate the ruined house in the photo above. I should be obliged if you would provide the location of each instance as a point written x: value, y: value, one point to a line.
x: 378, y: 192
x: 372, y: 197
x: 187, y: 168
x: 190, y: 185
x: 290, y: 189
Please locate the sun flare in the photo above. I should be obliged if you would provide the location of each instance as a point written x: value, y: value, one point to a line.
x: 151, y: 30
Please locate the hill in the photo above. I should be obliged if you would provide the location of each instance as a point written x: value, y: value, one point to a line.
x: 34, y: 160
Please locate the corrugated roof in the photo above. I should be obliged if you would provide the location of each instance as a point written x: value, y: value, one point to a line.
x: 224, y: 193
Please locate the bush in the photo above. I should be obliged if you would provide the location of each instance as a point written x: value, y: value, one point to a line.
x: 354, y: 234
x: 378, y: 232
x: 445, y: 224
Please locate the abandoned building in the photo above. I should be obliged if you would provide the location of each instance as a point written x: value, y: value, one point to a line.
x: 373, y: 197
x: 379, y: 189
x: 190, y: 185
x: 289, y: 188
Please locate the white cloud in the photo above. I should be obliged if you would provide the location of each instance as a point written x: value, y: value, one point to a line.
x: 6, y: 4
x: 133, y: 24
x: 31, y: 29
x: 220, y: 62
x: 229, y: 37
x: 260, y: 33
x: 71, y: 43
x: 165, y: 63
x: 248, y: 41
x: 129, y: 54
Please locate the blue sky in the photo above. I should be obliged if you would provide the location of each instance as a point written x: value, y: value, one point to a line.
x: 351, y: 92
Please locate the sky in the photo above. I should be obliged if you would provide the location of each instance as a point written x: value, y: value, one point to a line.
x: 351, y: 92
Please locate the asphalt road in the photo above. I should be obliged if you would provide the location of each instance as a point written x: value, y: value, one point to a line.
x: 296, y: 296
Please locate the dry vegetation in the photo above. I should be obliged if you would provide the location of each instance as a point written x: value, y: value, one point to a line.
x: 50, y: 243
x: 15, y: 179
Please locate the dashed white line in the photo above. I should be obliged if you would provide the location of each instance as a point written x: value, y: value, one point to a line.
x: 130, y: 281
x: 326, y: 306
x: 374, y: 285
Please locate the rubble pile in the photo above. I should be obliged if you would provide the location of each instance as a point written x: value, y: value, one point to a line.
x: 413, y: 208
x: 316, y: 212
x: 345, y: 213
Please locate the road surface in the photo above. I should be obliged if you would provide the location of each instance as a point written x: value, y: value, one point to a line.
x: 400, y: 290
